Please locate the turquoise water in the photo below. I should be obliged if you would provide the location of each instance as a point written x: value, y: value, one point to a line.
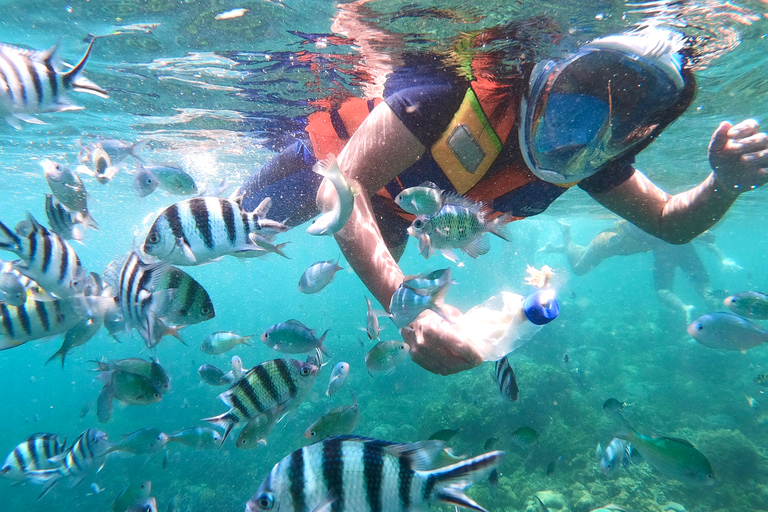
x: 220, y: 96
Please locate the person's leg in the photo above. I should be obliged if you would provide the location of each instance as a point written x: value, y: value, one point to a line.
x: 583, y: 259
x: 665, y: 261
x: 698, y: 277
x: 289, y: 180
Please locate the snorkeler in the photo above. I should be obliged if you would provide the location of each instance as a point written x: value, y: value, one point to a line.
x: 515, y: 142
x: 625, y: 239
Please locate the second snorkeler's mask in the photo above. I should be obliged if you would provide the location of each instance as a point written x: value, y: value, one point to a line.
x: 594, y: 107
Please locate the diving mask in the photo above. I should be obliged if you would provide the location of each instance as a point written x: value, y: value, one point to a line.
x: 594, y: 107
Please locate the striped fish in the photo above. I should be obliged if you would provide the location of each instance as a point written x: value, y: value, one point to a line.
x: 69, y: 190
x: 199, y: 230
x: 139, y: 298
x: 88, y: 452
x: 505, y: 379
x: 406, y: 304
x: 355, y: 474
x: 62, y: 221
x: 190, y: 303
x: 264, y: 387
x: 12, y: 289
x: 32, y: 455
x: 48, y: 258
x: 34, y: 320
x: 30, y: 83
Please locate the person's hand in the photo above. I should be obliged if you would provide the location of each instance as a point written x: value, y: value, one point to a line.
x: 437, y: 346
x: 739, y: 156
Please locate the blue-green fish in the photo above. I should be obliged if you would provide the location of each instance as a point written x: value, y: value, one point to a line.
x: 426, y: 199
x: 727, y: 331
x: 339, y: 421
x: 460, y: 224
x: 385, y: 356
x: 293, y: 337
x: 201, y: 438
x: 318, y: 276
x: 749, y: 304
x: 407, y: 304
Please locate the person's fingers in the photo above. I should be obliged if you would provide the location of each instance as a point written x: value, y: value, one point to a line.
x: 720, y: 137
x: 758, y: 159
x: 743, y: 129
x: 751, y: 144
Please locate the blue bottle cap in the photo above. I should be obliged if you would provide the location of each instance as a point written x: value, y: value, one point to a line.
x: 541, y: 307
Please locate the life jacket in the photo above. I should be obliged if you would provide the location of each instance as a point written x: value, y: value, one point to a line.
x: 464, y: 154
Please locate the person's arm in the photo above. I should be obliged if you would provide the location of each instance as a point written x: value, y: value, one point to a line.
x: 379, y: 150
x: 739, y: 159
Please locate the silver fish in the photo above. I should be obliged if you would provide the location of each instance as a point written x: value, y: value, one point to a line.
x: 78, y: 335
x: 69, y: 190
x: 200, y: 438
x: 171, y: 178
x: 33, y: 454
x: 338, y: 378
x: 223, y: 341
x: 131, y: 495
x: 372, y: 328
x: 318, y: 276
x: 293, y: 337
x: 428, y: 282
x: 339, y: 421
x: 369, y: 476
x: 47, y: 257
x: 212, y: 375
x: 101, y: 168
x: 426, y: 199
x: 727, y: 331
x: 141, y: 442
x: 385, y: 356
x: 332, y: 221
x: 255, y: 432
x: 30, y: 83
x: 145, y: 505
x: 199, y: 230
x: 406, y: 304
x: 144, y: 182
x: 12, y: 291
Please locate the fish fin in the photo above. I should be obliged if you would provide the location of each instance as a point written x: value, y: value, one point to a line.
x: 429, y: 184
x: 82, y: 169
x: 326, y: 503
x: 450, y: 481
x: 295, y: 322
x: 89, y: 221
x: 226, y: 421
x: 9, y: 240
x: 13, y: 121
x: 185, y: 249
x: 327, y: 167
x: 62, y: 352
x: 422, y: 454
x: 477, y: 247
x: 320, y: 343
x: 104, y: 404
x: 498, y: 226
x: 449, y: 254
x: 28, y: 118
x: 81, y: 84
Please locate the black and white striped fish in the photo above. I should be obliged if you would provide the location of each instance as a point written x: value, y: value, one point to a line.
x: 355, y: 474
x: 47, y: 257
x: 69, y: 190
x: 505, y: 379
x: 200, y: 230
x: 265, y: 386
x: 88, y: 452
x: 139, y: 298
x: 35, y: 319
x: 30, y: 83
x: 33, y: 454
x: 62, y: 221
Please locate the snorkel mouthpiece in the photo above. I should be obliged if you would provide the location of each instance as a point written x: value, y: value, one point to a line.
x: 541, y: 307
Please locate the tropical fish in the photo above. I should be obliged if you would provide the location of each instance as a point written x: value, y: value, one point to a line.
x: 62, y: 221
x: 332, y: 221
x: 406, y: 305
x: 201, y: 229
x: 145, y: 505
x: 144, y: 182
x: 69, y: 190
x: 749, y: 304
x: 141, y: 442
x: 78, y: 335
x: 460, y: 224
x: 255, y: 432
x: 612, y: 406
x: 33, y: 454
x: 212, y: 375
x: 428, y: 283
x: 126, y: 387
x: 338, y: 377
x: 265, y: 386
x: 224, y: 341
x: 171, y: 178
x: 372, y: 321
x: 131, y: 495
x: 426, y: 199
x: 676, y: 458
x: 30, y: 83
x: 385, y: 356
x: 189, y: 303
x: 86, y: 454
x: 318, y: 276
x: 12, y: 291
x: 47, y: 258
x: 504, y: 376
x: 151, y: 370
x: 368, y: 476
x: 293, y: 337
x: 101, y: 166
x: 727, y: 331
x: 525, y: 437
x: 339, y: 421
x: 618, y: 453
x: 34, y: 320
x: 200, y: 438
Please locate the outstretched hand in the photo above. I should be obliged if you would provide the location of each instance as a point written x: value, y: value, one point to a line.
x: 739, y: 155
x: 437, y: 346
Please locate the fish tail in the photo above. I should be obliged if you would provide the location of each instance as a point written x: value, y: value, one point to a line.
x: 46, y: 477
x: 328, y: 167
x: 62, y: 352
x: 498, y: 226
x: 320, y: 343
x: 82, y: 84
x: 625, y: 431
x: 436, y: 300
x: 8, y: 239
x: 449, y: 482
x: 227, y: 421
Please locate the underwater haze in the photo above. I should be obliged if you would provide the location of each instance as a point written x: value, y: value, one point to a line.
x: 217, y: 88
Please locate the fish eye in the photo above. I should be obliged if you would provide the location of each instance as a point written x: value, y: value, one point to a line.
x: 266, y: 501
x: 157, y: 395
x: 153, y: 238
x: 312, y: 433
x: 699, y: 327
x: 204, y: 310
x: 304, y: 371
x: 418, y: 223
